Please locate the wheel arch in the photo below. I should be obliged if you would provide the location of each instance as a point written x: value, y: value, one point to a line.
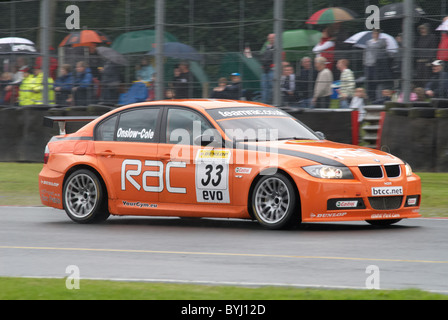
x: 90, y: 168
x: 259, y: 176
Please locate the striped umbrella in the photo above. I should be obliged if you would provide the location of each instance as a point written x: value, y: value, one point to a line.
x: 331, y: 15
x: 84, y: 38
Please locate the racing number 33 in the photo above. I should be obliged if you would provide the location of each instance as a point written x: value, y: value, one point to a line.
x: 212, y: 176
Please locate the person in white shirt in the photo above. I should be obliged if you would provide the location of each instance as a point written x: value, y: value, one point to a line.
x: 358, y: 103
x: 347, y: 83
x: 322, y: 87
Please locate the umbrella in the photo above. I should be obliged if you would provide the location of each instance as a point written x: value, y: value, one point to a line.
x: 14, y: 45
x: 360, y: 40
x: 84, y: 38
x: 297, y: 42
x: 112, y: 55
x: 443, y: 26
x: 178, y: 50
x: 396, y: 11
x: 138, y: 41
x: 300, y: 39
x: 331, y: 15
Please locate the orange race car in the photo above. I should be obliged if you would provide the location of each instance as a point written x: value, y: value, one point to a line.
x: 220, y: 158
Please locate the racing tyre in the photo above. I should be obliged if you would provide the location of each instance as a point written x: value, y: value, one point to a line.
x: 275, y: 203
x: 84, y: 197
x: 383, y: 223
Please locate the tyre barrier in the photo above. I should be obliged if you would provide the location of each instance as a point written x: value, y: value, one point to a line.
x: 23, y: 136
x: 418, y: 135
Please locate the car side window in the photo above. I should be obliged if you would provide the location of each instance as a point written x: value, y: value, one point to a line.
x: 106, y: 129
x: 138, y: 125
x: 183, y: 126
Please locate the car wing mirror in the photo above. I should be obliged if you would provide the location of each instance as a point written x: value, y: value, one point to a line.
x: 208, y: 140
x: 320, y: 135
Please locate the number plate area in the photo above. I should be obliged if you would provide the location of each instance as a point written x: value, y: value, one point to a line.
x: 212, y: 176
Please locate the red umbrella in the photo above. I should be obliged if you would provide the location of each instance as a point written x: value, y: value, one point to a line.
x: 85, y: 38
x: 331, y: 15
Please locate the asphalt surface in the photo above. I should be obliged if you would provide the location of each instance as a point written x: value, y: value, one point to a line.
x: 43, y: 242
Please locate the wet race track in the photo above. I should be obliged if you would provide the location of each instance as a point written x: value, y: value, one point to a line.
x: 43, y: 242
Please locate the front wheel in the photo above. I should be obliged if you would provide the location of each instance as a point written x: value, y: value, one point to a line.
x: 84, y: 197
x: 275, y: 202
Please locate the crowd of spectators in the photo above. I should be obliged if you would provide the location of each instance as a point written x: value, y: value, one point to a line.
x: 322, y: 80
x: 326, y: 80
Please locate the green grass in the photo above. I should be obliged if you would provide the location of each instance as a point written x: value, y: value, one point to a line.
x: 55, y: 289
x: 19, y: 187
x: 19, y: 184
x: 434, y: 194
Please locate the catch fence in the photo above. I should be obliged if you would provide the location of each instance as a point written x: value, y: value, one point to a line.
x: 225, y: 38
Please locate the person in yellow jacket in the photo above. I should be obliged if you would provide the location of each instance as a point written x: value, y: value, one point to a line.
x: 26, y: 89
x: 38, y: 88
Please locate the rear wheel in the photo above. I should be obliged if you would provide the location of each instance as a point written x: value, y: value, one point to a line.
x: 84, y: 197
x: 274, y: 202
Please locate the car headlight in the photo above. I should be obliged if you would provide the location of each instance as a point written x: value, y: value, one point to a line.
x: 408, y: 170
x: 329, y: 172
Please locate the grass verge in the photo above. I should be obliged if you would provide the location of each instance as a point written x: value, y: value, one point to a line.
x: 19, y: 187
x: 55, y: 289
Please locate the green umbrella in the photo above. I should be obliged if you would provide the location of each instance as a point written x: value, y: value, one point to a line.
x: 300, y: 39
x: 299, y: 42
x: 138, y: 41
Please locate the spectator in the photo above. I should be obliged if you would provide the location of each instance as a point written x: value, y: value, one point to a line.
x: 375, y: 47
x: 8, y: 88
x: 170, y: 94
x: 305, y: 82
x: 144, y: 71
x: 182, y: 80
x: 288, y: 85
x: 63, y: 84
x: 21, y: 66
x: 53, y: 63
x: 38, y: 87
x: 267, y: 75
x: 110, y: 83
x: 82, y: 85
x: 325, y: 48
x: 234, y: 89
x: 358, y: 102
x: 347, y: 83
x: 5, y: 80
x: 25, y: 89
x: 437, y: 86
x: 152, y: 88
x: 425, y: 45
x: 322, y: 87
x: 218, y: 92
x: 442, y: 53
x: 386, y: 95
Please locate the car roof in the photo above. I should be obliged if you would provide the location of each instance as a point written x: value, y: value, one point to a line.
x: 200, y: 103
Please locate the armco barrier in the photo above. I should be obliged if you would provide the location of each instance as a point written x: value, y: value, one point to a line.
x: 23, y: 137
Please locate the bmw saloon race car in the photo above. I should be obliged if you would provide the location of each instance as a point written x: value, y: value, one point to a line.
x: 221, y: 159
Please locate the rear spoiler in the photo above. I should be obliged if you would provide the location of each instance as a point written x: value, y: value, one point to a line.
x: 61, y: 120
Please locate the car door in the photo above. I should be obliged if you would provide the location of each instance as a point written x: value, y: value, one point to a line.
x: 194, y: 173
x: 126, y: 149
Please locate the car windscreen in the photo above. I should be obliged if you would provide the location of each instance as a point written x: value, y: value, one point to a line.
x: 260, y: 124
